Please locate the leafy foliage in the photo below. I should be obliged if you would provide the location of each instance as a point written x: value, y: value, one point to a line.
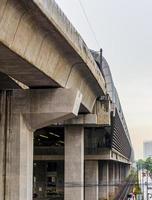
x: 145, y: 164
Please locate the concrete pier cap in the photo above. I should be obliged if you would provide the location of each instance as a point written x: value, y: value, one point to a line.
x: 42, y: 107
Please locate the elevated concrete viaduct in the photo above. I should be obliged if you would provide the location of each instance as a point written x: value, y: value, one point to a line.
x: 62, y: 130
x: 40, y: 50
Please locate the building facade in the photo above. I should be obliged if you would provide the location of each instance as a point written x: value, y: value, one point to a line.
x: 147, y: 149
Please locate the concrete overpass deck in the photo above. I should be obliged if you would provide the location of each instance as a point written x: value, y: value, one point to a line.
x: 40, y: 48
x: 64, y: 88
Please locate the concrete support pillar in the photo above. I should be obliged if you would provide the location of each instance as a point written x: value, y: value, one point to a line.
x: 127, y: 167
x: 112, y: 180
x: 117, y: 177
x: 19, y: 163
x: 117, y: 173
x: 104, y: 180
x: 16, y: 153
x: 2, y: 143
x: 120, y: 174
x: 91, y: 180
x: 123, y: 173
x: 124, y: 170
x: 74, y: 163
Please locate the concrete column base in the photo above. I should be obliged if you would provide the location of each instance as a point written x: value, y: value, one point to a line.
x: 117, y: 183
x: 104, y: 180
x: 111, y: 180
x: 91, y: 180
x: 74, y: 163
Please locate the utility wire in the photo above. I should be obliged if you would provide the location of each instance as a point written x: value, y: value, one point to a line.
x: 89, y: 23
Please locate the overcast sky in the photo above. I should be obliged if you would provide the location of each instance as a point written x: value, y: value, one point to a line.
x: 123, y: 29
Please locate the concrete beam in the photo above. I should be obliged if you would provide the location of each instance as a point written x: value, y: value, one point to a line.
x: 116, y: 156
x: 101, y: 116
x: 104, y: 155
x: 83, y: 119
x: 42, y: 107
x: 63, y: 26
x: 90, y: 120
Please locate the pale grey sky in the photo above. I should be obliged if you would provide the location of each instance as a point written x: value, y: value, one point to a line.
x: 124, y: 30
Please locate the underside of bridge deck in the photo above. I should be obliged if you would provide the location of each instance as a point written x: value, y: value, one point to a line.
x: 39, y: 55
x: 60, y: 137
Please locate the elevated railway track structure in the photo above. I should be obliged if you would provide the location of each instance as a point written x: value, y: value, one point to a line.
x: 61, y: 121
x: 126, y: 188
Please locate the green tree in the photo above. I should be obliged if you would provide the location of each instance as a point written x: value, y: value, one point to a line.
x: 141, y: 164
x: 148, y: 164
x: 145, y: 164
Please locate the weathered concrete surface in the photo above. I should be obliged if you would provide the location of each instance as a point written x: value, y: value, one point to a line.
x: 19, y: 163
x: 62, y: 24
x: 74, y: 163
x: 128, y: 168
x: 2, y: 142
x: 120, y: 174
x: 123, y: 173
x: 38, y: 54
x: 104, y: 180
x: 22, y: 112
x: 112, y: 180
x: 91, y: 180
x: 116, y: 156
x: 43, y: 107
x: 100, y: 117
x: 16, y: 153
x: 117, y: 181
